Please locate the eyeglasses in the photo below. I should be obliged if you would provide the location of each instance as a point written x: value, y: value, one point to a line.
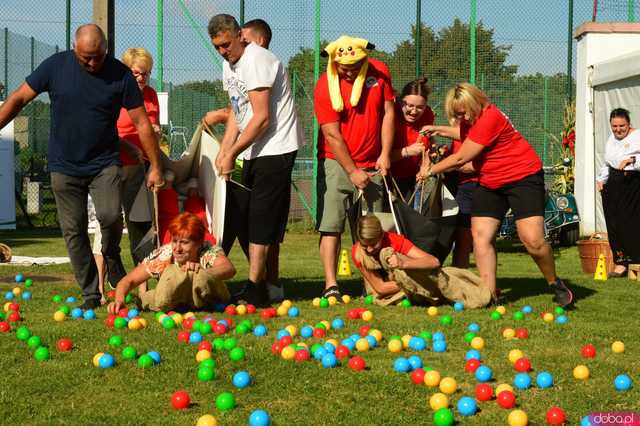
x: 137, y: 74
x: 417, y: 108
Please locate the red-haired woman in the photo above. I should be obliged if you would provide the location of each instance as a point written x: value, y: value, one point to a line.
x: 189, y: 270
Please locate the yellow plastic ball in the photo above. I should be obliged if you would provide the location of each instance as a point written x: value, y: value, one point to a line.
x: 508, y: 333
x: 327, y: 324
x: 241, y: 309
x: 346, y: 299
x: 581, y: 372
x: 518, y: 418
x: 438, y: 401
x: 503, y: 387
x: 282, y: 311
x: 395, y: 346
x: 207, y: 420
x: 432, y: 311
x: 59, y: 316
x: 143, y: 322
x: 288, y: 353
x: 617, y: 347
x: 316, y: 302
x: 448, y: 385
x: 332, y: 300
x: 202, y: 355
x: 134, y: 324
x: 17, y: 291
x: 189, y: 315
x: 405, y: 341
x: 334, y: 342
x: 432, y: 378
x: 6, y: 306
x: 287, y: 303
x: 547, y: 317
x: 292, y: 329
x: 177, y: 318
x: 362, y: 345
x: 377, y: 334
x: 514, y: 355
x: 477, y: 343
x: 502, y: 310
x: 96, y: 359
x: 367, y: 316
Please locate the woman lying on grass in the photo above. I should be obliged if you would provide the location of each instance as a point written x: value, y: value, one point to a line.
x: 190, y: 272
x: 394, y: 268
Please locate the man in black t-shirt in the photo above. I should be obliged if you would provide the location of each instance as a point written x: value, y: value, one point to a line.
x: 87, y: 88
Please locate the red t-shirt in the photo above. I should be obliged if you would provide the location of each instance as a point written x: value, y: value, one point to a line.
x: 126, y: 129
x: 359, y: 125
x: 507, y: 156
x: 408, y: 134
x: 390, y: 239
x: 455, y: 147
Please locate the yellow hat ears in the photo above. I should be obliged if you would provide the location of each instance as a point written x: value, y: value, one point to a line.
x: 346, y: 51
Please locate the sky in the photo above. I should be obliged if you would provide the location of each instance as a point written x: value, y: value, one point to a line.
x: 536, y: 30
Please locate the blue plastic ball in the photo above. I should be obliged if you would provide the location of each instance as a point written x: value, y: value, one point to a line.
x: 474, y: 327
x: 522, y: 381
x: 417, y: 344
x: 438, y: 335
x: 282, y: 333
x: 458, y: 306
x: 195, y: 338
x: 329, y: 361
x: 19, y: 278
x: 9, y: 295
x: 259, y: 418
x: 26, y: 295
x: 241, y: 379
x: 372, y: 341
x: 76, y: 313
x: 349, y: 343
x: 133, y: 313
x: 527, y: 309
x: 415, y: 361
x: 484, y: 374
x: 467, y: 406
x: 320, y: 353
x: 439, y: 346
x: 293, y: 312
x: 355, y: 337
x: 106, y: 361
x: 306, y: 331
x: 544, y: 380
x: 623, y: 382
x: 71, y: 299
x: 329, y: 347
x: 260, y: 330
x: 224, y: 322
x: 562, y: 319
x: 155, y: 356
x: 337, y: 323
x: 472, y: 354
x: 89, y: 314
x: 402, y: 365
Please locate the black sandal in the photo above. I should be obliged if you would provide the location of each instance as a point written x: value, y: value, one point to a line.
x: 332, y: 291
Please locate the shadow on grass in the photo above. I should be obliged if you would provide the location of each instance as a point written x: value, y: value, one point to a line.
x: 36, y: 278
x: 309, y: 289
x: 514, y: 289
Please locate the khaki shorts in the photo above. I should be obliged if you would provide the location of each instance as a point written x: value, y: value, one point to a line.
x: 335, y: 192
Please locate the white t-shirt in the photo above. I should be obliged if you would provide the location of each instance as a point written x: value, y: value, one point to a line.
x: 256, y: 68
x: 617, y: 150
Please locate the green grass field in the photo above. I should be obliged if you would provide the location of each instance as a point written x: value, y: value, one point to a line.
x: 68, y: 389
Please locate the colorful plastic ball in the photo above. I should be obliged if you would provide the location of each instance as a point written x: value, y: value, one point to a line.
x: 76, y: 313
x: 19, y: 278
x: 438, y: 401
x: 501, y: 310
x: 362, y: 345
x: 518, y: 418
x: 367, y: 316
x: 129, y: 352
x: 514, y: 355
x: 472, y: 354
x: 588, y: 351
x: 547, y: 317
x: 432, y: 378
x: 145, y: 361
x: 544, y: 380
x: 477, y: 343
x: 65, y: 309
x: 260, y: 330
x: 484, y: 392
x: 225, y: 401
x: 467, y: 406
x: 368, y: 300
x: 508, y: 333
x: 432, y: 311
x: 527, y: 309
x: 357, y: 363
x: 96, y: 359
x: 28, y: 282
x: 59, y: 316
x: 417, y: 344
x: 14, y: 316
x: 42, y: 354
x: 71, y: 300
x: 237, y: 354
x: 446, y: 320
x: 318, y: 353
x: 155, y: 356
x: 329, y: 361
x: 439, y: 346
x: 623, y: 382
x: 617, y: 347
x: 337, y: 323
x: 522, y: 381
x: 406, y: 303
x: 9, y: 296
x: 438, y: 335
x: 504, y: 387
x: 64, y: 345
x: 506, y: 399
x: 443, y: 417
x: 484, y: 374
x: 207, y: 420
x: 119, y: 323
x: 402, y: 365
x: 34, y: 342
x: 259, y: 418
x: 342, y: 352
x: 241, y: 379
x: 417, y: 376
x: 395, y: 346
x: 293, y: 312
x: 495, y: 315
x: 562, y: 319
x: 448, y: 385
x: 306, y: 331
x: 324, y: 303
x: 471, y: 365
x: 522, y: 333
x: 518, y: 315
x: 581, y: 372
x: 203, y: 354
x: 195, y: 337
x: 89, y: 314
x: 168, y: 323
x: 468, y: 336
x: 106, y: 361
x: 458, y: 306
x: 522, y: 365
x: 4, y: 327
x: 555, y: 416
x: 474, y: 327
x: 27, y: 295
x: 415, y: 361
x: 23, y: 333
x: 373, y: 342
x: 180, y: 400
x: 56, y: 299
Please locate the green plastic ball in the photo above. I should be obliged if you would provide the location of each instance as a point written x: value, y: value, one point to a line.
x: 208, y: 363
x: 168, y: 323
x: 28, y: 283
x: 230, y: 343
x: 495, y: 315
x: 427, y: 369
x: 368, y: 300
x: 446, y: 320
x: 23, y: 333
x: 218, y: 343
x: 34, y: 342
x: 237, y: 354
x: 128, y: 298
x: 247, y: 323
x: 196, y: 326
x: 206, y: 328
x: 158, y: 315
x: 225, y: 401
x: 324, y: 303
x: 57, y: 298
x: 443, y: 417
x: 2, y: 316
x: 115, y: 341
x: 242, y: 329
x: 130, y: 352
x: 468, y: 337
x: 406, y: 303
x: 206, y: 374
x: 559, y: 310
x: 119, y: 323
x: 426, y: 335
x: 145, y: 361
x: 519, y: 315
x: 65, y: 309
x: 42, y: 354
x: 315, y: 347
x: 320, y: 325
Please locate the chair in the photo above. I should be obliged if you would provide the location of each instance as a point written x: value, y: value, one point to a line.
x: 177, y: 140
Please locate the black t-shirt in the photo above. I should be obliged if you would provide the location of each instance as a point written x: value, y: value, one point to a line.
x: 84, y: 110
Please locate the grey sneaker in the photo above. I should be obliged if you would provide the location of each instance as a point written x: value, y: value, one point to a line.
x: 563, y: 296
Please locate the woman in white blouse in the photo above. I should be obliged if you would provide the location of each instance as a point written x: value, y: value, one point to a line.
x: 619, y: 185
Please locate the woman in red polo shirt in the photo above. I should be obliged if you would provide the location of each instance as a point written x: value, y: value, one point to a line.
x: 412, y: 114
x: 509, y: 175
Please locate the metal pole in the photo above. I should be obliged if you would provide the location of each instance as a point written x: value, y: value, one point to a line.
x: 545, y: 119
x: 6, y: 63
x: 631, y: 13
x: 33, y: 53
x: 472, y: 43
x: 241, y: 12
x: 570, y: 51
x: 160, y: 44
x: 68, y: 25
x: 316, y: 127
x: 418, y: 41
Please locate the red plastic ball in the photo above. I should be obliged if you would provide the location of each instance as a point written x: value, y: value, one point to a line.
x: 180, y: 400
x: 183, y: 336
x: 507, y: 399
x: 302, y: 355
x: 64, y: 345
x: 111, y: 294
x: 109, y: 321
x: 542, y: 314
x: 417, y: 376
x: 364, y: 330
x: 187, y: 324
x: 555, y: 416
x: 484, y: 392
x: 124, y: 313
x: 352, y: 314
x: 342, y: 352
x: 230, y: 310
x: 471, y: 365
x: 588, y: 351
x: 229, y: 322
x: 319, y: 332
x: 273, y: 312
x: 357, y: 363
x: 219, y: 328
x: 522, y: 333
x: 14, y: 316
x: 522, y: 365
x: 276, y: 348
x: 286, y: 340
x: 264, y: 314
x: 4, y: 327
x: 251, y: 309
x: 14, y: 306
x: 205, y: 345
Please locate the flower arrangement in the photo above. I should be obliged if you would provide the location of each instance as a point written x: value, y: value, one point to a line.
x: 564, y: 170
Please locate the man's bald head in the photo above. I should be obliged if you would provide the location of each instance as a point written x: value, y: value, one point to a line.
x: 90, y: 47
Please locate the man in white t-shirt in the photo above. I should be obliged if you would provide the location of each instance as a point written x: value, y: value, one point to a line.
x: 264, y: 128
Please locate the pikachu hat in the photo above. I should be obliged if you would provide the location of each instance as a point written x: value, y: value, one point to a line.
x: 346, y: 50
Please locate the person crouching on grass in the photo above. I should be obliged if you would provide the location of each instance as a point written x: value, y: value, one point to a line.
x: 190, y: 272
x: 393, y: 268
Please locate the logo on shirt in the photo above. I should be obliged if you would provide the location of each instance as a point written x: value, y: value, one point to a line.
x: 371, y: 82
